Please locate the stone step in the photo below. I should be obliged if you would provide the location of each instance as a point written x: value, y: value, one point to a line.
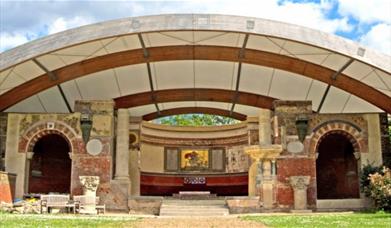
x: 172, y: 207
x: 193, y: 208
x: 194, y: 202
x: 193, y: 214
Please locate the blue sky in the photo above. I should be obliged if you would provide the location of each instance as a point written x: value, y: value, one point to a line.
x: 364, y: 21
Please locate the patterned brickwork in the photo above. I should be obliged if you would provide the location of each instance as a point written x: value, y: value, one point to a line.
x: 352, y: 132
x: 38, y: 130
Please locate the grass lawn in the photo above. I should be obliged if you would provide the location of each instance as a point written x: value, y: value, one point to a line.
x: 17, y: 220
x: 354, y: 220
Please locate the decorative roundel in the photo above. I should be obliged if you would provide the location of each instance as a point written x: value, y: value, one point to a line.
x: 94, y: 147
x: 295, y: 147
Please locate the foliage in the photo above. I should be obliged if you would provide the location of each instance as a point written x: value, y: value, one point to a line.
x: 364, y: 178
x: 20, y: 220
x: 196, y: 120
x: 389, y: 130
x: 325, y: 220
x: 380, y: 189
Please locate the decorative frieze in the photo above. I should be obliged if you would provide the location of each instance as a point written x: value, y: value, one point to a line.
x: 165, y: 141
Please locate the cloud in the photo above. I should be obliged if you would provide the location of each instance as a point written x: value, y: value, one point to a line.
x: 366, y: 11
x: 61, y: 24
x: 379, y: 38
x: 305, y: 13
x: 21, y: 21
x: 10, y: 40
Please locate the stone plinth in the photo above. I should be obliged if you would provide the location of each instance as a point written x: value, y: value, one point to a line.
x: 90, y: 185
x: 299, y: 185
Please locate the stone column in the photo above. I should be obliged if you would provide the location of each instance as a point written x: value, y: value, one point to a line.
x: 265, y: 130
x: 299, y: 185
x: 267, y: 185
x: 122, y: 156
x: 134, y: 171
x: 254, y: 178
x: 29, y: 157
x: 90, y: 185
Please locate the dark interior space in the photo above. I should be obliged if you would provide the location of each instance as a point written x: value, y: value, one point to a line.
x: 336, y: 168
x: 50, y: 167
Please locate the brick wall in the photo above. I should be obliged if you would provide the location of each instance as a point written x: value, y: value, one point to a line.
x: 287, y: 167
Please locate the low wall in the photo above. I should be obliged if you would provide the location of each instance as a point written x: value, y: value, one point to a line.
x: 154, y: 184
x: 7, y: 187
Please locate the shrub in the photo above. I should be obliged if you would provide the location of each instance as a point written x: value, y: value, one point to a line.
x: 379, y: 189
x: 364, y: 178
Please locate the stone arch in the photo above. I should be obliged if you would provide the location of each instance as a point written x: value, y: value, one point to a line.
x: 349, y: 130
x: 42, y: 128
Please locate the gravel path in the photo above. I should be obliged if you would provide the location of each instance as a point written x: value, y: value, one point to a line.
x: 198, y: 222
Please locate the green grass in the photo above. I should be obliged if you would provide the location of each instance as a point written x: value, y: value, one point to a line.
x: 16, y: 220
x: 354, y: 220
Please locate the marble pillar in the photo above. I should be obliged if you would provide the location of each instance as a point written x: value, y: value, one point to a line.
x: 122, y: 156
x: 300, y: 185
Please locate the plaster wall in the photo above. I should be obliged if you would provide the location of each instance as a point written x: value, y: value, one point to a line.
x: 152, y: 158
x: 15, y: 162
x: 374, y: 155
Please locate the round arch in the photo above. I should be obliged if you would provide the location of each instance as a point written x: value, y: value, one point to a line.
x: 43, y: 128
x: 189, y: 110
x: 352, y: 132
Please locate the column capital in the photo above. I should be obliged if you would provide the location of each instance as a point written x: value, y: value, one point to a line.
x: 89, y: 183
x: 29, y: 155
x: 299, y: 182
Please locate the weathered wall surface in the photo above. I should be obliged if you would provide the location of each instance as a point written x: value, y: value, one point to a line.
x: 7, y: 187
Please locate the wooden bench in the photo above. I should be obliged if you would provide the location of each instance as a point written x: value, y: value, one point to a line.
x: 56, y: 201
x: 82, y: 200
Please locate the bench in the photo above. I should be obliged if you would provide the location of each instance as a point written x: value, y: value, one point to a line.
x: 56, y: 201
x: 82, y: 200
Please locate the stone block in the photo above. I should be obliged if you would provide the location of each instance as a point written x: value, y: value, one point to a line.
x: 243, y: 204
x: 145, y: 205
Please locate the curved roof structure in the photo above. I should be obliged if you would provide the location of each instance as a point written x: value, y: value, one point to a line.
x: 169, y: 64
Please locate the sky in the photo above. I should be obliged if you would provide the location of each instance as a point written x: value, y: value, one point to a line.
x: 365, y: 21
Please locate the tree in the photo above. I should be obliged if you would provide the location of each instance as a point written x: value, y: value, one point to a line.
x: 196, y: 120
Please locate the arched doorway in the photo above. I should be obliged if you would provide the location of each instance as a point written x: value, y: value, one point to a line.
x: 50, y: 167
x: 336, y: 167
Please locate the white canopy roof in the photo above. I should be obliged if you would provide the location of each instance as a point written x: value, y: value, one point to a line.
x: 129, y: 56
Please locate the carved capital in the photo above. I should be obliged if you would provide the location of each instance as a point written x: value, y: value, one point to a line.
x: 299, y: 182
x: 89, y: 183
x: 29, y: 155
